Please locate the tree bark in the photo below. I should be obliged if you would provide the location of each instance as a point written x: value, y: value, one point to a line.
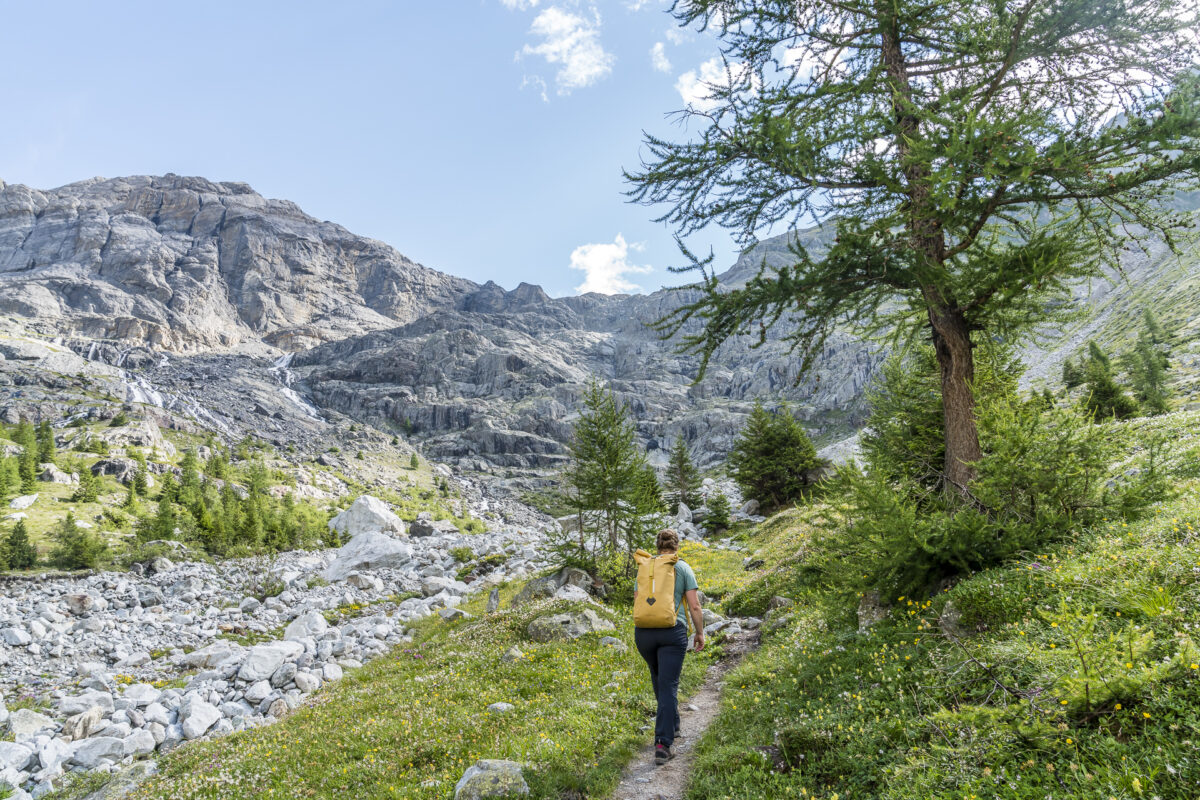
x: 952, y: 343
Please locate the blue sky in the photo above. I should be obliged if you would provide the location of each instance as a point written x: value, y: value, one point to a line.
x: 484, y: 138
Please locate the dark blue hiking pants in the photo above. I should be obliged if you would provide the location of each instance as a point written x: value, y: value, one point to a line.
x: 663, y: 650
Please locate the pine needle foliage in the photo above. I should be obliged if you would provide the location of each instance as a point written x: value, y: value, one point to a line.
x: 964, y: 155
x: 613, y: 492
x: 773, y: 460
x: 683, y: 479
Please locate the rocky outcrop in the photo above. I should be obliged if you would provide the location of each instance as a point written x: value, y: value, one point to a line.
x: 183, y: 263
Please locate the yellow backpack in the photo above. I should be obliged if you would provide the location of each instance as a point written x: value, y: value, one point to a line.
x: 655, y: 604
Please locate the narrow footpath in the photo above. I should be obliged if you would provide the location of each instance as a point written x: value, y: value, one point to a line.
x: 645, y: 781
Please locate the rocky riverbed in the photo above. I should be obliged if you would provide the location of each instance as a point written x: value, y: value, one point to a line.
x: 106, y: 668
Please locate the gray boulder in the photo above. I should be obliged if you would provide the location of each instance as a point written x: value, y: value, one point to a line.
x: 560, y: 627
x: 368, y: 551
x: 25, y: 723
x: 367, y: 515
x: 91, y: 752
x: 426, y: 525
x: 264, y: 659
x: 491, y: 778
x: 196, y: 717
x: 312, y: 623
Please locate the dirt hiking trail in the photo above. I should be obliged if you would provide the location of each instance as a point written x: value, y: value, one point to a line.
x: 645, y: 781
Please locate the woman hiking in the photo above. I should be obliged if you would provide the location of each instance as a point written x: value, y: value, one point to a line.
x: 660, y: 631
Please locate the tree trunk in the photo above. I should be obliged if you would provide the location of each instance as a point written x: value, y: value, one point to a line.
x: 952, y: 342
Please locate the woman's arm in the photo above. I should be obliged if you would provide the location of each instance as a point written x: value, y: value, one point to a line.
x: 693, y: 601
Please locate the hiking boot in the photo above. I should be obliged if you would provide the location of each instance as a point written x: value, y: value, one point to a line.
x: 662, y: 754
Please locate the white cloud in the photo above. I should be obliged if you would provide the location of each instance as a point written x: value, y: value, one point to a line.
x: 658, y: 57
x: 676, y: 35
x: 696, y: 88
x: 519, y: 5
x: 572, y: 42
x: 605, y: 266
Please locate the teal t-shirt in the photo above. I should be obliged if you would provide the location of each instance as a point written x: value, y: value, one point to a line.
x: 685, y: 580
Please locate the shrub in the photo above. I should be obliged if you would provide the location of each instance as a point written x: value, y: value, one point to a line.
x: 118, y: 420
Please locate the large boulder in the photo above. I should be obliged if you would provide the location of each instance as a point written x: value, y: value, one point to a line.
x: 367, y: 515
x: 23, y: 502
x: 264, y: 659
x: 91, y: 752
x: 212, y: 655
x: 197, y: 716
x: 367, y: 551
x: 14, y: 756
x: 491, y: 778
x: 312, y: 623
x: 25, y: 723
x: 560, y: 627
x: 52, y: 474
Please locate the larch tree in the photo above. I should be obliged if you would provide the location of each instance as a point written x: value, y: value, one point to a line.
x: 970, y: 159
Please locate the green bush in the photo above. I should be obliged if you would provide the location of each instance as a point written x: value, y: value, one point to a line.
x: 718, y: 513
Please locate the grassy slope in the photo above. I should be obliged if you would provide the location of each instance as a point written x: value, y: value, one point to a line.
x: 408, y: 725
x: 1077, y: 675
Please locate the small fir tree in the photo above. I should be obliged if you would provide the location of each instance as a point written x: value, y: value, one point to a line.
x: 21, y: 552
x: 45, y: 443
x: 88, y: 489
x: 1105, y: 398
x: 27, y: 461
x: 683, y: 479
x: 773, y: 460
x: 6, y: 477
x: 1072, y: 374
x: 718, y: 513
x: 75, y: 547
x: 413, y: 461
x: 610, y: 486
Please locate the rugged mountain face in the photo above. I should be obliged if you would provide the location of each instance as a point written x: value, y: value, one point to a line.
x: 186, y: 264
x: 193, y: 291
x: 244, y: 315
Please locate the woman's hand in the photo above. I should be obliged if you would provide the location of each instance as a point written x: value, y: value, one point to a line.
x: 698, y: 641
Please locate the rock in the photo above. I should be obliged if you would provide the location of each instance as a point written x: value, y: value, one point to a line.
x: 25, y: 723
x: 749, y: 508
x: 491, y: 778
x: 683, y: 514
x: 80, y: 604
x: 15, y: 637
x: 278, y: 709
x: 331, y: 672
x: 142, y: 694
x: 211, y: 655
x: 573, y: 625
x: 196, y: 717
x: 52, y: 474
x: 79, y: 703
x: 451, y: 614
x: 54, y: 754
x: 257, y: 692
x: 777, y: 602
x: 615, y: 644
x: 89, y: 753
x: 264, y: 659
x: 368, y: 551
x: 310, y: 624
x: 14, y: 756
x: 426, y: 525
x: 512, y: 654
x: 307, y: 682
x: 283, y: 676
x: 3, y: 712
x: 950, y: 622
x: 364, y: 582
x: 536, y: 589
x: 84, y: 724
x: 500, y: 708
x: 870, y: 611
x: 571, y: 592
x: 23, y: 502
x: 139, y: 743
x: 367, y: 515
x: 493, y: 603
